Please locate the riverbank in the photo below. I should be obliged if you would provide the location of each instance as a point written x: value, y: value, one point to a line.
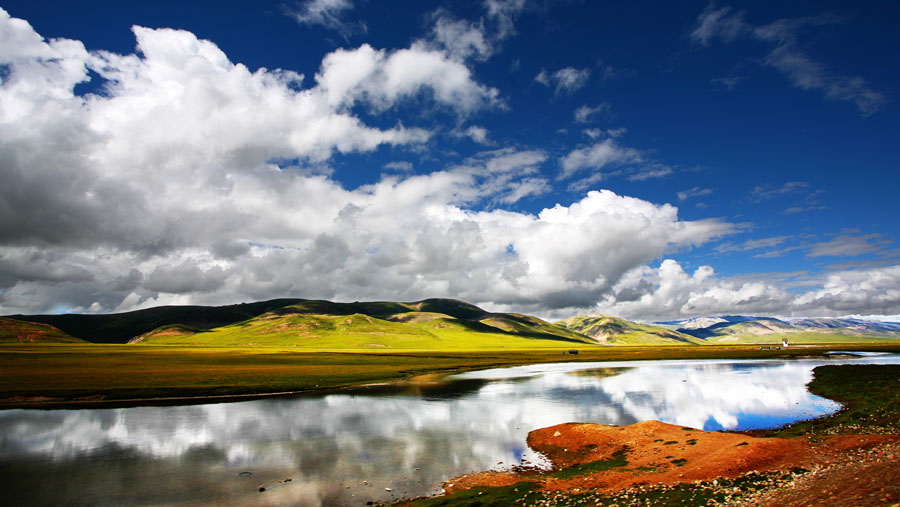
x: 87, y: 375
x: 849, y: 458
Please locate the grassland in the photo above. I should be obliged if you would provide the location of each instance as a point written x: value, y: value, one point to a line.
x: 800, y: 338
x: 61, y: 374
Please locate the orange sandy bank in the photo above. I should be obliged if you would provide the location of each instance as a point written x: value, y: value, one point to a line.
x: 612, y: 458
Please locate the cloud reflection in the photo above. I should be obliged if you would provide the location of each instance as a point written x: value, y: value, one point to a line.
x: 408, y: 442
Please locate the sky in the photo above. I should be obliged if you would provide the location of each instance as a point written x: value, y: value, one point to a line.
x: 650, y: 160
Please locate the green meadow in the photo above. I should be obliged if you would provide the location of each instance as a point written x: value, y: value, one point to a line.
x: 171, y: 354
x: 91, y: 374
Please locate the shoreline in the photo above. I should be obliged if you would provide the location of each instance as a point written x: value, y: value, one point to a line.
x: 122, y: 376
x: 370, y: 370
x: 849, y: 457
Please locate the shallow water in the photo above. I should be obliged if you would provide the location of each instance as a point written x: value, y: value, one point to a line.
x: 405, y: 438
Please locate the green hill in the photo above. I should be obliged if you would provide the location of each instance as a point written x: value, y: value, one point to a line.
x: 429, y: 324
x: 616, y: 331
x: 122, y: 327
x: 17, y: 331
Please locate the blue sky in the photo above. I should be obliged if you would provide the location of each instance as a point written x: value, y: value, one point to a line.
x: 651, y: 160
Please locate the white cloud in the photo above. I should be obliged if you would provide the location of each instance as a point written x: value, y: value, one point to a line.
x: 476, y: 133
x: 185, y: 183
x: 849, y: 245
x: 649, y: 172
x: 753, y: 244
x: 719, y: 23
x: 399, y: 239
x: 598, y: 156
x: 565, y: 80
x: 327, y: 13
x: 399, y: 166
x: 480, y: 39
x: 787, y: 57
x: 503, y: 13
x: 767, y: 192
x: 586, y: 113
x: 669, y: 292
x: 462, y: 39
x: 381, y: 78
x: 693, y: 192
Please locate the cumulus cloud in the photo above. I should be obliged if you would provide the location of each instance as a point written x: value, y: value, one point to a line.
x: 565, y: 80
x: 184, y: 181
x: 787, y: 56
x: 381, y: 78
x: 669, y: 292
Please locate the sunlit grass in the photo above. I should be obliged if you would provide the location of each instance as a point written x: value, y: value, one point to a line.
x: 68, y: 372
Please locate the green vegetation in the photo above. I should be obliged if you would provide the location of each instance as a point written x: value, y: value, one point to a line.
x: 68, y: 372
x: 618, y: 459
x: 869, y: 393
x: 440, y: 324
x: 616, y: 331
x: 430, y: 324
x: 16, y: 331
x: 523, y: 493
x: 799, y: 338
x: 61, y: 373
x: 405, y: 328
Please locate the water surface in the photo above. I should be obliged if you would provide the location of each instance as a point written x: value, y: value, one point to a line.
x: 346, y: 448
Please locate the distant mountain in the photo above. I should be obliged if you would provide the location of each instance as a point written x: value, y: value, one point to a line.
x: 849, y: 325
x: 614, y: 330
x: 431, y: 323
x: 744, y: 329
x: 705, y: 322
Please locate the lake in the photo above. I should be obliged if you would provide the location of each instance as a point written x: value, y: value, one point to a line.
x: 346, y: 448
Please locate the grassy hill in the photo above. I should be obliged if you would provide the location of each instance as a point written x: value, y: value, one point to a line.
x: 122, y: 327
x: 613, y: 330
x: 428, y: 324
x: 16, y: 331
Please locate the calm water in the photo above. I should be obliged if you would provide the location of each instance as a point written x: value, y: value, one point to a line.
x: 407, y: 438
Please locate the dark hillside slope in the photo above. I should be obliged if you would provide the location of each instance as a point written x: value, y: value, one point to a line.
x: 122, y: 327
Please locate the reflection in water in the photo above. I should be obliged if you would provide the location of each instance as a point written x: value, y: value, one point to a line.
x: 408, y: 439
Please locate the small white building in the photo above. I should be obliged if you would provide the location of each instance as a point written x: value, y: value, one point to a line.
x: 784, y: 342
